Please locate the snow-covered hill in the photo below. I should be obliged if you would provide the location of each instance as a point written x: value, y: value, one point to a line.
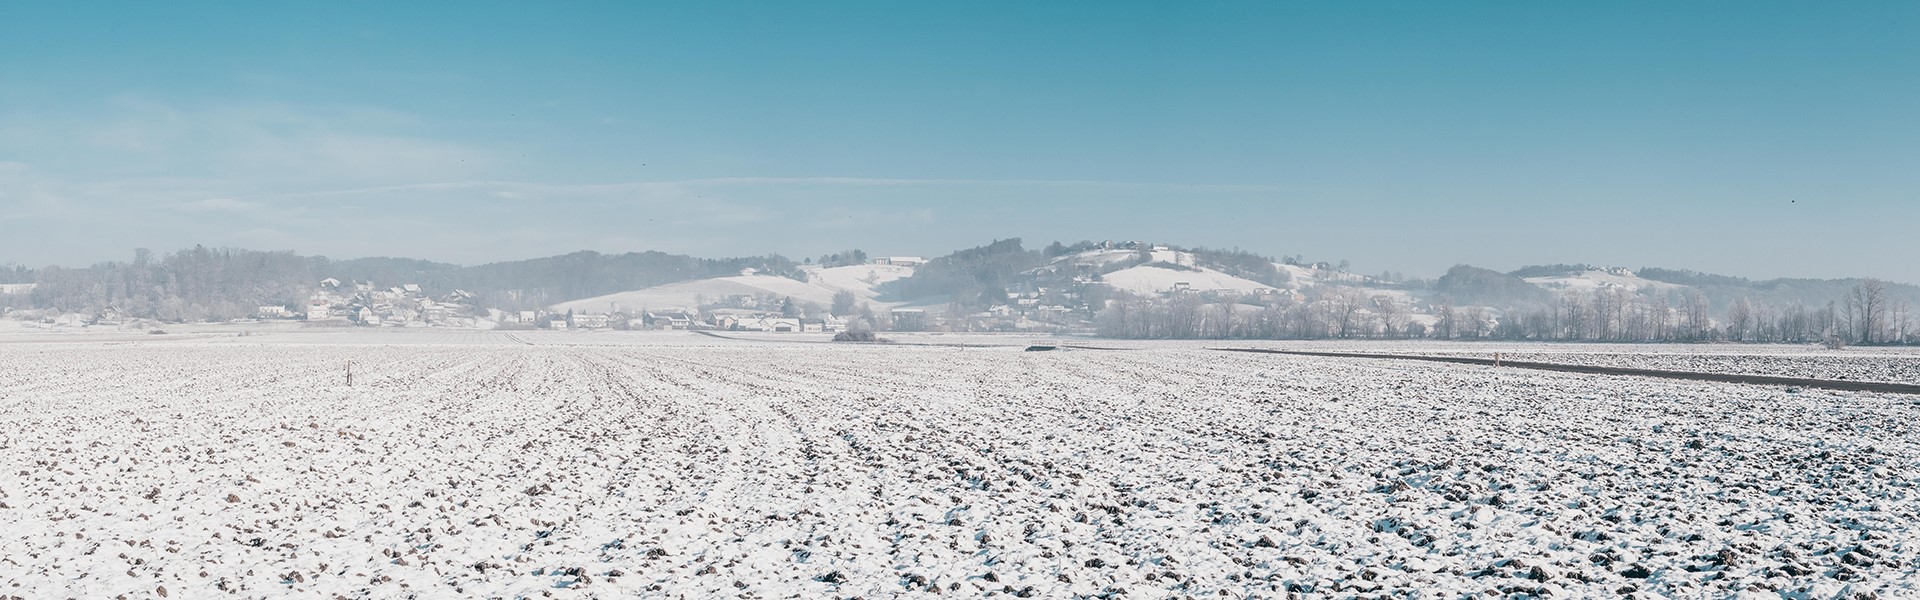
x: 1155, y: 276
x: 862, y: 280
x: 1594, y: 279
x: 822, y: 284
x: 1150, y: 279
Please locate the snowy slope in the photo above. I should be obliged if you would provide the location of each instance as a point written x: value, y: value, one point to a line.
x: 1154, y: 279
x: 1594, y: 279
x: 862, y: 280
x: 1149, y: 279
x: 688, y: 294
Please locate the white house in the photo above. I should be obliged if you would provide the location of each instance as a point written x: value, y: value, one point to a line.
x: 590, y: 320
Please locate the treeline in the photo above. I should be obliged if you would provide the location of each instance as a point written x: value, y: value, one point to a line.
x: 1864, y: 314
x: 1329, y: 312
x: 1243, y: 264
x: 978, y: 277
x: 1473, y: 285
x: 526, y: 284
x: 189, y: 285
x: 971, y: 278
x: 842, y: 259
x: 202, y: 283
x: 15, y: 274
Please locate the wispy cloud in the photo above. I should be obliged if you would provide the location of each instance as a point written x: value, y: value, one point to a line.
x: 522, y: 188
x: 218, y: 205
x: 352, y: 180
x: 260, y: 143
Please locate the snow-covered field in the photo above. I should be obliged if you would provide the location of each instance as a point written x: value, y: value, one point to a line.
x: 1896, y: 364
x: 529, y: 464
x: 1854, y: 366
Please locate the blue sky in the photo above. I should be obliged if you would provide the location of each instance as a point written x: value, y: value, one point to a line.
x: 1755, y: 139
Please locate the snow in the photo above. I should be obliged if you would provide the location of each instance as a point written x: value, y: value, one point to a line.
x: 1817, y: 364
x: 862, y: 280
x: 1593, y: 279
x: 1097, y: 257
x: 669, y: 464
x: 688, y: 294
x: 1149, y: 279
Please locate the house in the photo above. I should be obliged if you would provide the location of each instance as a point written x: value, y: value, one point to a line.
x: 669, y: 320
x: 813, y: 325
x: 329, y: 284
x: 590, y: 320
x: 318, y: 308
x: 433, y: 313
x: 272, y: 312
x: 909, y: 319
x: 748, y: 272
x: 527, y: 316
x: 899, y: 261
x: 767, y: 323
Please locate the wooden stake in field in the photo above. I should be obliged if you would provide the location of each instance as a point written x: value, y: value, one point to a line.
x: 349, y: 373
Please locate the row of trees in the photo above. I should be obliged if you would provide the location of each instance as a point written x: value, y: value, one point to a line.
x: 1331, y: 313
x: 1866, y: 315
x: 190, y: 285
x: 205, y: 283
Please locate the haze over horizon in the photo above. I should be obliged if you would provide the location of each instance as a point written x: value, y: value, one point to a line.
x: 1760, y: 140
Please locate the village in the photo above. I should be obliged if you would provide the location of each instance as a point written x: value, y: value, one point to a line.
x: 1063, y: 302
x: 1061, y: 297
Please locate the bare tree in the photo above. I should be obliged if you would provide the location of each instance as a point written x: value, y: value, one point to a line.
x: 1475, y: 321
x: 1698, y: 321
x: 1867, y: 307
x: 1393, y: 318
x: 1342, y: 303
x: 1739, y: 319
